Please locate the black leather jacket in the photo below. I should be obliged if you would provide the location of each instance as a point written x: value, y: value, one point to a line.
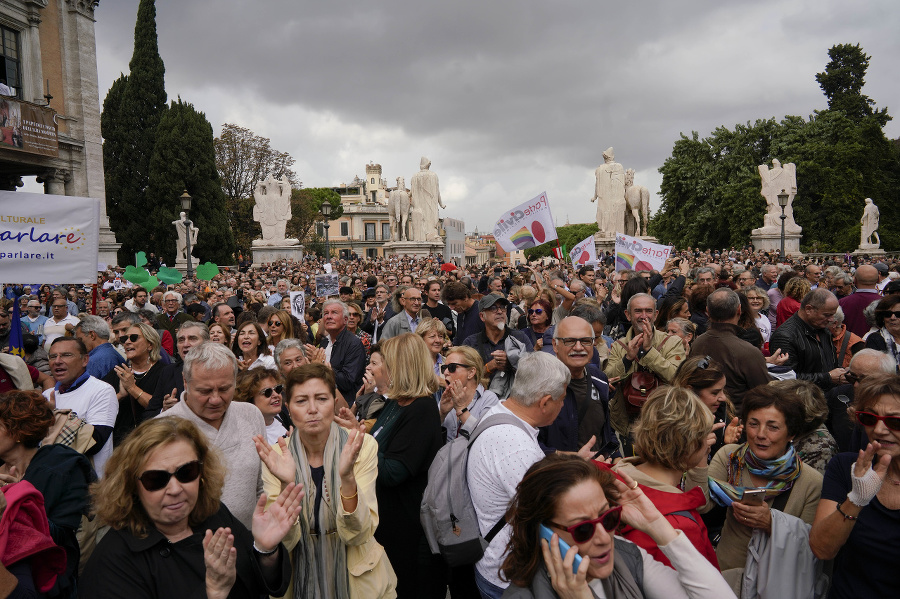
x: 811, y: 352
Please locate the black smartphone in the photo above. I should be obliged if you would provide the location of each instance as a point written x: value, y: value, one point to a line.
x: 607, y: 450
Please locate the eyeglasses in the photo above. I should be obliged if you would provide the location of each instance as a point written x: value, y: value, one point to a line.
x: 154, y: 480
x: 65, y: 356
x: 889, y: 313
x: 132, y: 337
x: 495, y: 308
x: 537, y: 311
x: 452, y: 366
x: 870, y: 419
x: 275, y: 323
x: 60, y: 306
x: 584, y: 531
x: 267, y: 392
x: 854, y: 378
x: 571, y: 341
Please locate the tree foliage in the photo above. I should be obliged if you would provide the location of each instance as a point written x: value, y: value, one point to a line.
x: 306, y: 207
x: 243, y: 159
x: 131, y: 113
x: 569, y: 236
x: 184, y: 160
x: 711, y: 187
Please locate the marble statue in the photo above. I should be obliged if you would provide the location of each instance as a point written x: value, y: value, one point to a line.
x: 418, y: 228
x: 774, y: 180
x: 869, y: 223
x: 273, y: 210
x: 637, y: 199
x: 426, y: 195
x: 398, y: 210
x: 609, y: 193
x: 181, y: 243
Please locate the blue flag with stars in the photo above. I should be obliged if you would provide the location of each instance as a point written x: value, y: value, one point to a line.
x: 16, y: 343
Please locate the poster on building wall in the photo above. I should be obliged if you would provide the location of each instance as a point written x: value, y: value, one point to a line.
x: 48, y: 238
x: 28, y: 128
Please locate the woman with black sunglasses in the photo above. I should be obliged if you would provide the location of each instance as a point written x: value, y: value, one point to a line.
x: 464, y: 399
x: 170, y: 534
x: 887, y: 319
x: 856, y: 523
x: 583, y: 506
x: 540, y: 314
x: 262, y: 387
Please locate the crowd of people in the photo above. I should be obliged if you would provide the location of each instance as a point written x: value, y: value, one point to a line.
x: 728, y: 424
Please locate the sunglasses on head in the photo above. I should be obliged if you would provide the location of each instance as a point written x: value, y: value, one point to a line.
x: 584, y: 531
x: 704, y: 363
x: 452, y: 366
x: 132, y: 337
x: 870, y: 419
x: 267, y: 392
x: 154, y: 480
x: 535, y: 311
x: 888, y: 313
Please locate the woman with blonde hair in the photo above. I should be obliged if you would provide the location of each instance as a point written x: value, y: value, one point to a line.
x: 672, y: 436
x: 465, y: 399
x: 434, y: 334
x: 280, y: 327
x: 161, y: 497
x: 136, y: 381
x: 408, y: 432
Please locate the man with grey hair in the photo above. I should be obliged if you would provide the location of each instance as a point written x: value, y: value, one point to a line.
x: 768, y: 274
x: 805, y: 338
x: 343, y: 350
x: 847, y: 433
x: 408, y: 319
x: 102, y: 356
x: 190, y: 335
x: 173, y: 316
x: 282, y: 287
x: 289, y: 354
x: 743, y: 364
x: 503, y: 453
x: 210, y: 371
x: 706, y: 276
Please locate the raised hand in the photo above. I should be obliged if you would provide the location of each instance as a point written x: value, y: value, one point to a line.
x: 733, y: 431
x: 220, y: 558
x: 586, y: 452
x: 350, y: 452
x: 631, y: 351
x: 566, y: 583
x: 282, y: 465
x: 778, y: 358
x: 271, y: 525
x: 639, y: 511
x: 344, y: 417
x: 866, y: 458
x: 170, y: 400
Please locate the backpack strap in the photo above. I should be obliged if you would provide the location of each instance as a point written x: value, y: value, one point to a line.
x: 844, y: 344
x: 493, y: 532
x: 663, y: 342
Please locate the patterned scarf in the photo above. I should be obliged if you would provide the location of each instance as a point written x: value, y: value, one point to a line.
x: 310, y: 549
x: 889, y: 342
x: 780, y: 473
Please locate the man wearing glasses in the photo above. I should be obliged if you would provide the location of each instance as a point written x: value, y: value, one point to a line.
x: 34, y: 320
x: 93, y: 400
x: 499, y: 346
x: 408, y: 320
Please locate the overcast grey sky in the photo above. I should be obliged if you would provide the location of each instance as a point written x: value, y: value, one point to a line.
x: 507, y: 98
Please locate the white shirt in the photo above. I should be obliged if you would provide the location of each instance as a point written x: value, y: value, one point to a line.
x: 263, y: 361
x: 53, y: 329
x: 497, y: 463
x: 95, y: 402
x: 764, y: 326
x: 274, y: 432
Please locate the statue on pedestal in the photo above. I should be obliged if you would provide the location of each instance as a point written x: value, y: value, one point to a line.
x: 637, y: 199
x: 426, y: 195
x: 398, y: 210
x: 609, y: 193
x: 273, y: 210
x: 775, y: 180
x: 869, y: 229
x: 181, y: 243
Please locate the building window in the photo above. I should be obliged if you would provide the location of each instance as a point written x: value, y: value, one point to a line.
x: 345, y: 229
x: 370, y: 231
x: 373, y: 180
x: 320, y: 229
x: 9, y: 65
x: 371, y: 252
x: 386, y: 231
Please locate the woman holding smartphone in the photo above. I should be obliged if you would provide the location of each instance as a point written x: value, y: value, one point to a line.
x: 767, y: 461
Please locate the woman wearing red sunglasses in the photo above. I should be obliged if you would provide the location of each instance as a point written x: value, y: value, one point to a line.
x: 857, y: 520
x: 584, y: 506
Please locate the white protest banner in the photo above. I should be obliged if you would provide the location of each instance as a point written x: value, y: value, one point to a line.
x: 526, y: 226
x: 49, y: 238
x: 298, y: 305
x: 633, y: 253
x: 584, y: 253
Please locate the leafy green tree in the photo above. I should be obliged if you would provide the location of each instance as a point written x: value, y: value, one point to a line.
x: 243, y: 159
x: 306, y: 207
x: 711, y: 189
x: 569, y: 236
x: 184, y: 159
x: 132, y: 111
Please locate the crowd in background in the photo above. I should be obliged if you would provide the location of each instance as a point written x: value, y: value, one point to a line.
x: 727, y: 424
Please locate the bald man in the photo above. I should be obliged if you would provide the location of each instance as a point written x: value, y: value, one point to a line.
x: 866, y: 281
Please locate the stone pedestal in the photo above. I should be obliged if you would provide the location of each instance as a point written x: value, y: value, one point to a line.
x: 274, y: 253
x: 871, y: 250
x: 771, y: 242
x: 416, y: 249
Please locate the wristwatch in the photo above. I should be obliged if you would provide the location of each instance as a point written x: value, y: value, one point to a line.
x: 459, y: 413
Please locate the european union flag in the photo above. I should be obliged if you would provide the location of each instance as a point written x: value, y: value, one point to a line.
x: 16, y: 343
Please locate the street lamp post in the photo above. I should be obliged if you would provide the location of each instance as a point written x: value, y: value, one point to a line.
x: 326, y: 212
x: 186, y: 206
x: 783, y: 202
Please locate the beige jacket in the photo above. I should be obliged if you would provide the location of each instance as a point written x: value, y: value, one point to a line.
x: 371, y: 574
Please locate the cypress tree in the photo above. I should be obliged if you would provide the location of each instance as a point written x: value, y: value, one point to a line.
x: 184, y: 159
x: 132, y: 111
